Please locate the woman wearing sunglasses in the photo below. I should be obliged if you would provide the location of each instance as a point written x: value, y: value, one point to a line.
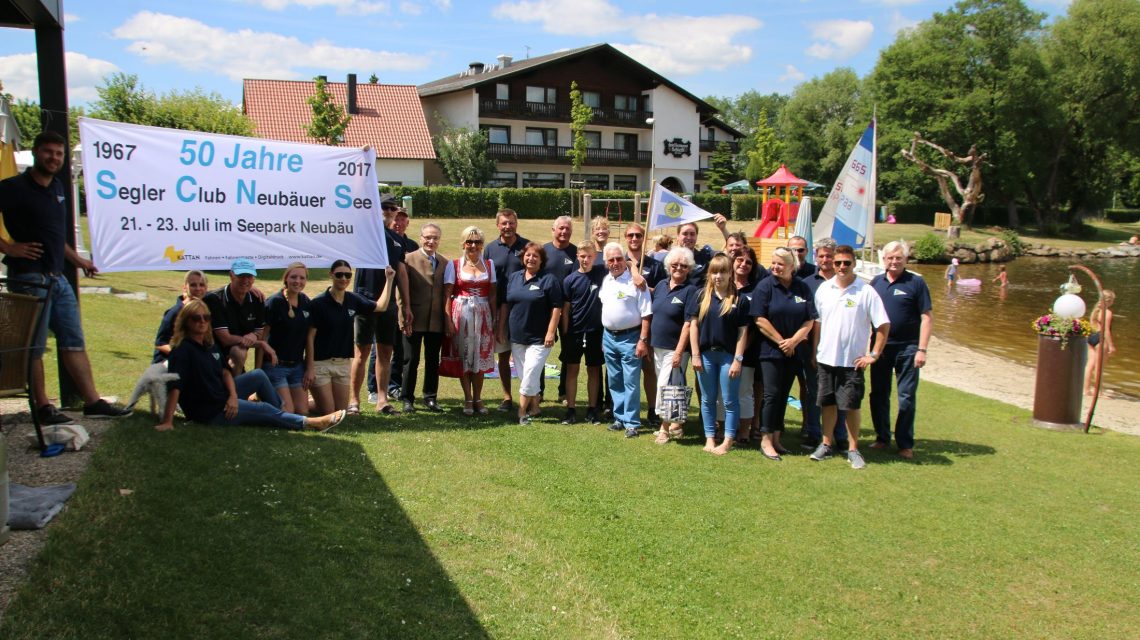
x: 328, y: 354
x: 208, y: 393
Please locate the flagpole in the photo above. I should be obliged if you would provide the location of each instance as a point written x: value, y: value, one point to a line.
x: 645, y: 229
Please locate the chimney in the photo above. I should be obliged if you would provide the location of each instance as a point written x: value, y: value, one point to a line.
x: 352, y: 94
x: 475, y: 68
x: 504, y: 60
x: 324, y: 79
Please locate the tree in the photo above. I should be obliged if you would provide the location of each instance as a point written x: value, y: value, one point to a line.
x: 123, y: 99
x: 821, y: 122
x: 462, y: 154
x: 373, y: 79
x: 971, y: 194
x: 722, y: 167
x: 764, y: 157
x: 580, y: 116
x: 329, y: 119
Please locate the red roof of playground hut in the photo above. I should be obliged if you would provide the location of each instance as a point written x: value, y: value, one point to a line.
x: 782, y: 177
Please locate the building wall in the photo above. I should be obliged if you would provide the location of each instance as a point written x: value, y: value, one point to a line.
x: 409, y: 173
x: 460, y: 109
x: 675, y: 116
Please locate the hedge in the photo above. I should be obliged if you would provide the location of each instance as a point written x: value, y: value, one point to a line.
x: 923, y: 213
x: 1122, y: 216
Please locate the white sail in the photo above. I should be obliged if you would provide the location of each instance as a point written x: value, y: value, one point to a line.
x: 848, y: 216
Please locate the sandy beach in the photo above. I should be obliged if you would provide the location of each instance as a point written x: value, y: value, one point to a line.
x: 974, y: 372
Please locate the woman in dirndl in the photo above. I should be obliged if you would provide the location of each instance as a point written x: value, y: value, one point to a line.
x: 469, y: 287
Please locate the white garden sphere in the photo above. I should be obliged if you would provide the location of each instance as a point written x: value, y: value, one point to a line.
x: 1069, y: 306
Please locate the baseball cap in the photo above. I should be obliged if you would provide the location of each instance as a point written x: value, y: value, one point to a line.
x: 388, y: 200
x: 243, y: 267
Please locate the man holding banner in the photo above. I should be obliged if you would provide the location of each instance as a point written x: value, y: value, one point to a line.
x: 36, y: 218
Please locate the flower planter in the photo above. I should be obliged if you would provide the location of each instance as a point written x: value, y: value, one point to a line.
x: 1060, y: 382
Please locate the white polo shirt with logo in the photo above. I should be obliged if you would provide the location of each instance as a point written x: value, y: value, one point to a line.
x: 623, y: 304
x: 846, y: 317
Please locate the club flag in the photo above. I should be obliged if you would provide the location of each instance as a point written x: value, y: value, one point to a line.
x: 669, y: 209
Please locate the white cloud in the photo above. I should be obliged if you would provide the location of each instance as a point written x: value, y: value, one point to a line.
x: 839, y: 39
x: 792, y: 74
x: 444, y: 5
x: 565, y: 17
x: 71, y: 18
x: 83, y: 75
x: 411, y: 8
x: 674, y: 44
x: 193, y: 45
x: 344, y: 7
x: 899, y: 3
x: 900, y: 23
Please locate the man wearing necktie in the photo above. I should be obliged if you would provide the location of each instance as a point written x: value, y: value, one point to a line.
x: 425, y: 293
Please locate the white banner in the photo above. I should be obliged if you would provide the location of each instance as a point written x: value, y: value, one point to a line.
x: 161, y: 199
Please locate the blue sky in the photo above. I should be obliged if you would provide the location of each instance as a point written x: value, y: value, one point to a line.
x: 710, y: 48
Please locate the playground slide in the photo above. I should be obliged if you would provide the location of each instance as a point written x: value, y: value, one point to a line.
x: 767, y: 229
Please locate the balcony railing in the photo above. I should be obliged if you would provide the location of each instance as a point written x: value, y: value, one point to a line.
x: 560, y: 155
x: 701, y: 175
x: 522, y: 109
x: 711, y: 145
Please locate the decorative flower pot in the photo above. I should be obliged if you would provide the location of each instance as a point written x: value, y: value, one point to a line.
x: 1060, y: 382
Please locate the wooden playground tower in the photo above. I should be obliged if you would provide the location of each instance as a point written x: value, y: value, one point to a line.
x: 780, y: 195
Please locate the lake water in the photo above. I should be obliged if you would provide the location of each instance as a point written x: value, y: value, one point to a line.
x: 999, y: 322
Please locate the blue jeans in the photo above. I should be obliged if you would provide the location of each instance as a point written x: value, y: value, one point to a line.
x: 809, y: 388
x: 897, y: 359
x: 61, y: 310
x: 624, y: 368
x: 267, y: 412
x: 715, y: 381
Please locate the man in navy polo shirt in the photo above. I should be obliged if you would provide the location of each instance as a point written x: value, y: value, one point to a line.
x: 239, y: 317
x: 505, y: 253
x: 36, y: 218
x: 798, y: 245
x: 907, y: 299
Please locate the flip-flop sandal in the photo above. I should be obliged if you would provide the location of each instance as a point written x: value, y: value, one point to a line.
x: 353, y: 409
x: 338, y: 418
x: 389, y: 410
x: 676, y: 432
x: 662, y: 437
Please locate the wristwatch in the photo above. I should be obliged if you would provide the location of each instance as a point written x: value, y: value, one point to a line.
x: 738, y: 358
x: 873, y: 355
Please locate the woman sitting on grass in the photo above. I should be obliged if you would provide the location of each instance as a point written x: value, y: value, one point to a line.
x: 208, y: 392
x: 193, y: 288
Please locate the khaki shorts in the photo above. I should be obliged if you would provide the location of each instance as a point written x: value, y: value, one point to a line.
x: 333, y: 370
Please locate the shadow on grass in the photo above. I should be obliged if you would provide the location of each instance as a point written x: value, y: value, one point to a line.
x: 451, y: 419
x: 237, y: 532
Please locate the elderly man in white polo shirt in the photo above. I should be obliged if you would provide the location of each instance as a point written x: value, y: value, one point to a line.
x: 848, y: 309
x: 626, y: 308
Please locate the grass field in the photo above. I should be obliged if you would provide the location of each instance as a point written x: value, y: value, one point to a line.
x: 428, y: 526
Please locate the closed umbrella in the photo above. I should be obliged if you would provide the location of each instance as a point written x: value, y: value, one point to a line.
x: 803, y: 227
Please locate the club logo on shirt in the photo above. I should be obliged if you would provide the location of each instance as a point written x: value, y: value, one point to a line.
x: 899, y: 292
x: 593, y: 287
x: 567, y: 261
x: 849, y: 303
x: 351, y: 312
x: 799, y: 300
x: 217, y: 356
x: 535, y: 287
x: 305, y: 314
x: 621, y: 295
x: 59, y: 199
x: 676, y: 300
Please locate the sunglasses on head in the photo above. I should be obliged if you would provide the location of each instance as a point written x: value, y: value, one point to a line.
x: 343, y: 275
x: 843, y: 263
x: 199, y: 317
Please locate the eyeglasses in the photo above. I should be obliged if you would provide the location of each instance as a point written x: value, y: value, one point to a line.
x: 343, y: 275
x: 843, y: 263
x: 473, y: 243
x: 799, y: 249
x: 199, y: 317
x: 635, y: 235
x: 678, y: 265
x: 430, y: 238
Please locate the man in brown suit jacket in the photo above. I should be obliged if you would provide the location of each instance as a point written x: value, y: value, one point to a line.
x: 425, y: 291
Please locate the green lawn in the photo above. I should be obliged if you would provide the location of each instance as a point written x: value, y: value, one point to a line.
x: 439, y: 527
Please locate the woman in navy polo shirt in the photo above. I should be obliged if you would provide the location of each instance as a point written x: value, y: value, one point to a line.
x: 535, y: 300
x: 718, y: 335
x: 287, y: 322
x: 193, y: 288
x: 210, y: 394
x: 669, y: 330
x: 329, y: 351
x: 784, y: 309
x: 743, y: 268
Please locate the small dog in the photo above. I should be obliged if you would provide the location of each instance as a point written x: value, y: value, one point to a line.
x: 153, y: 381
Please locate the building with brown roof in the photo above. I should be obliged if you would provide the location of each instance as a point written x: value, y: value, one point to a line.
x: 644, y: 125
x: 387, y: 116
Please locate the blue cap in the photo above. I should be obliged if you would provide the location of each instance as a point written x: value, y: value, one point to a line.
x: 243, y: 267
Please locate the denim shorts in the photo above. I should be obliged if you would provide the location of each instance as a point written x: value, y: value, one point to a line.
x: 62, y: 310
x: 285, y: 376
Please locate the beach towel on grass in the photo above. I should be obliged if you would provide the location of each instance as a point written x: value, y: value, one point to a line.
x: 34, y: 507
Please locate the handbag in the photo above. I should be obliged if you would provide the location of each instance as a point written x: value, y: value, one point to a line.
x: 450, y: 364
x: 675, y: 398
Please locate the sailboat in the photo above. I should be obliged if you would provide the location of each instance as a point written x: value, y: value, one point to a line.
x: 848, y: 216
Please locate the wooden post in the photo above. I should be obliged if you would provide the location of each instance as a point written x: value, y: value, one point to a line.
x: 586, y: 209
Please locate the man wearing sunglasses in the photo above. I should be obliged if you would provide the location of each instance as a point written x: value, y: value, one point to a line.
x: 798, y: 245
x: 848, y: 309
x: 812, y: 431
